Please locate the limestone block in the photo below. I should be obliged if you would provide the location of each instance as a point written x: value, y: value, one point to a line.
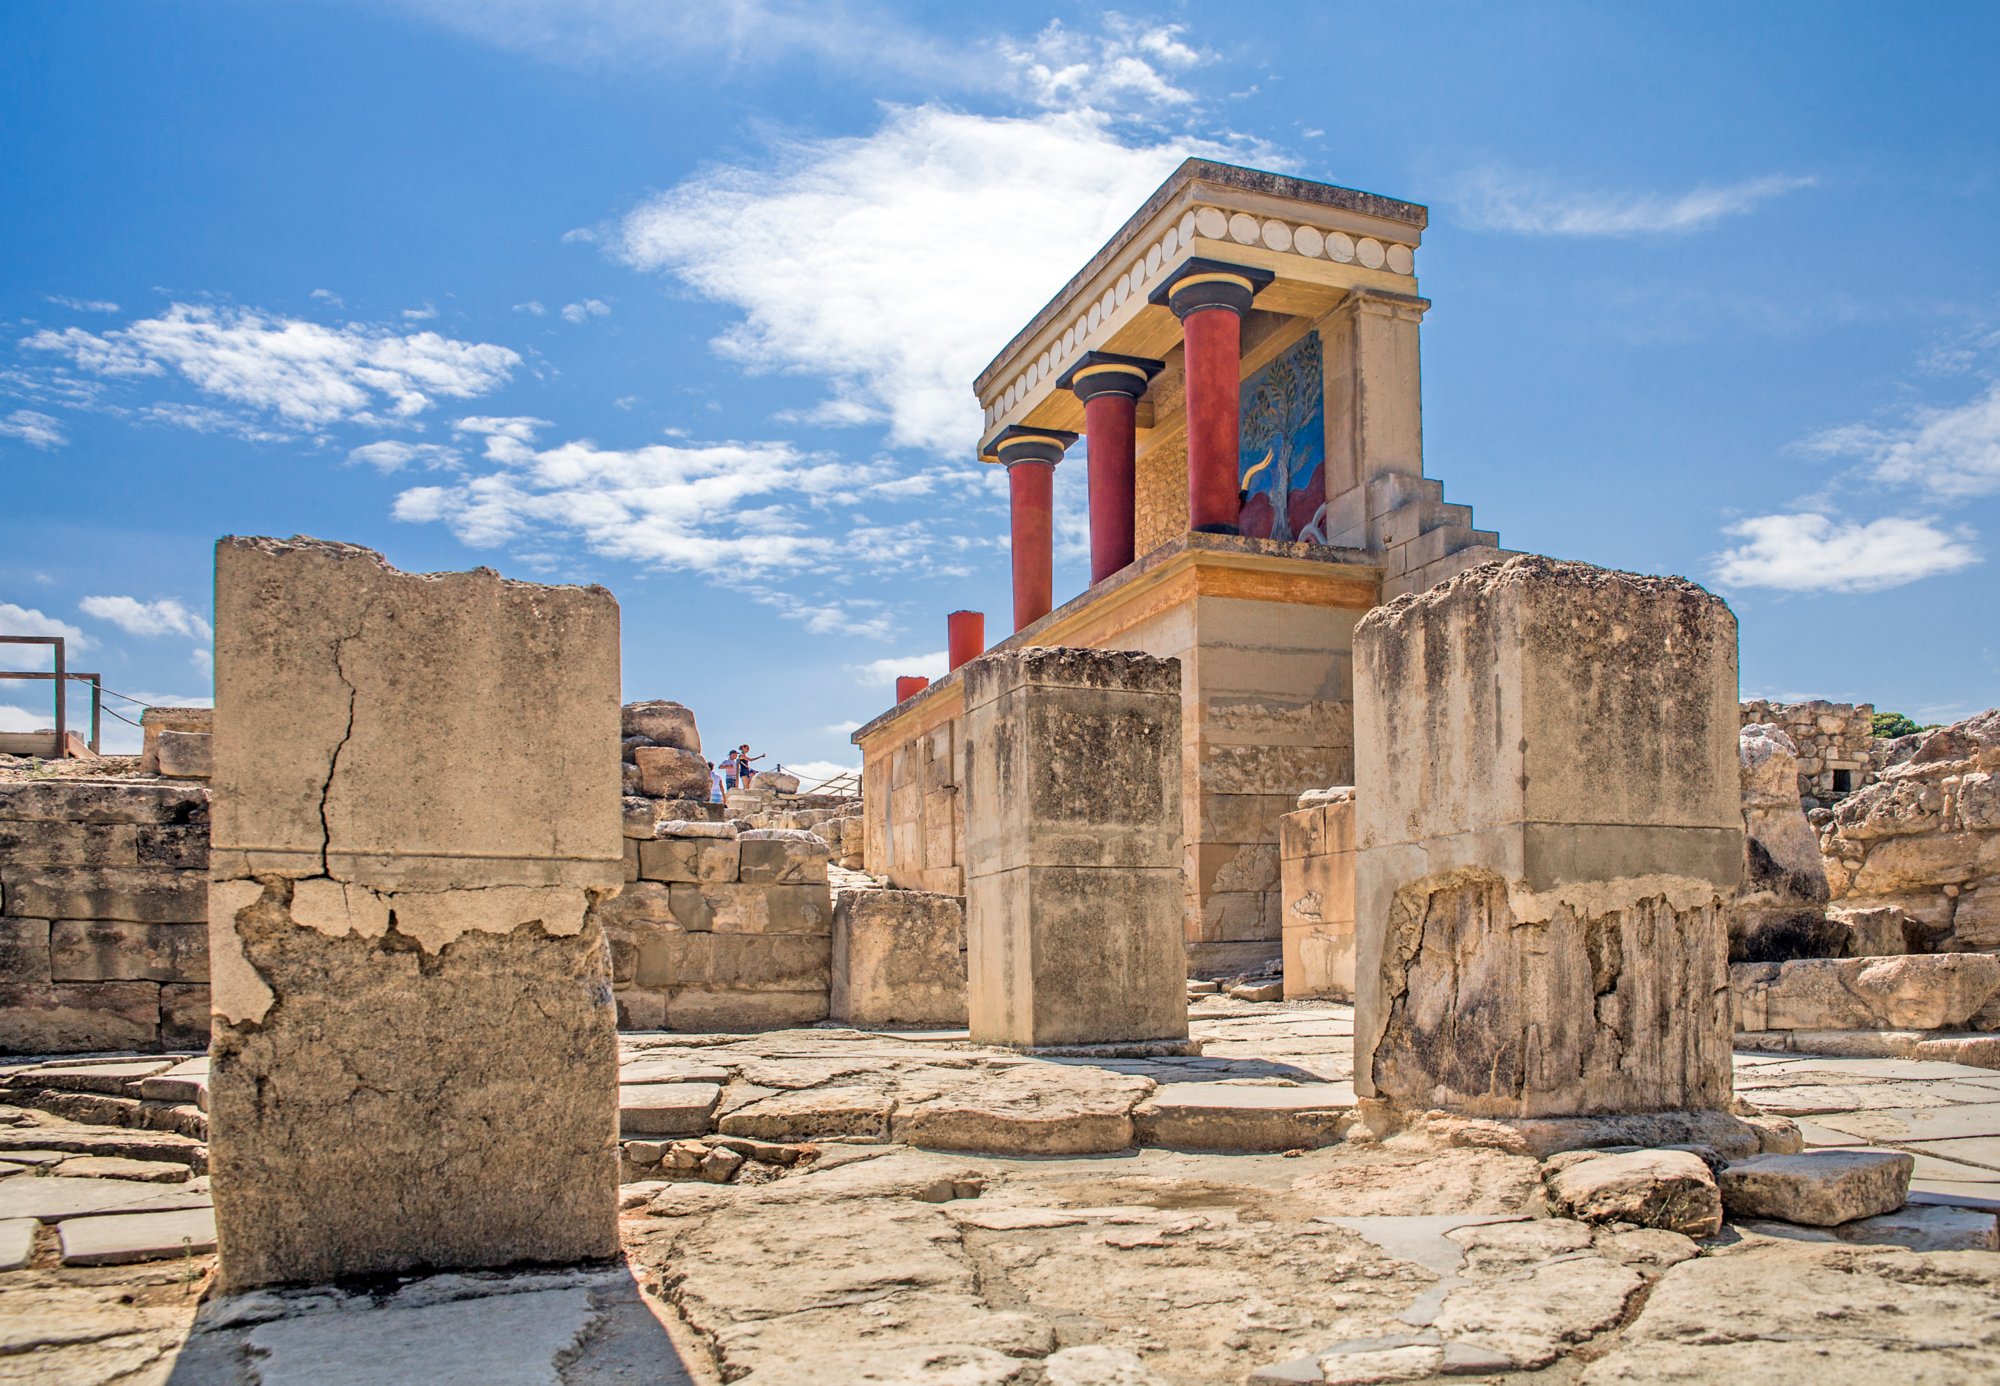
x: 54, y: 842
x: 1548, y: 830
x: 663, y: 722
x: 1878, y: 931
x: 361, y: 744
x: 641, y: 1010
x: 1670, y: 1189
x: 24, y: 950
x: 175, y: 848
x: 784, y: 863
x: 668, y: 772
x: 694, y: 1009
x: 639, y: 816
x: 689, y: 859
x: 186, y: 755
x: 1916, y: 992
x: 631, y: 861
x: 105, y: 950
x: 898, y: 958
x: 155, y: 721
x: 1820, y: 1188
x: 639, y: 905
x: 139, y: 894
x: 77, y: 1017
x: 414, y: 1057
x: 734, y: 962
x: 70, y: 801
x: 667, y: 1109
x: 752, y: 909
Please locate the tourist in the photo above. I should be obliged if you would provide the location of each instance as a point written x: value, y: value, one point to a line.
x: 715, y: 784
x: 731, y: 772
x: 743, y: 759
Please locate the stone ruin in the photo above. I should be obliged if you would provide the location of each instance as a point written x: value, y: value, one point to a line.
x: 1494, y: 827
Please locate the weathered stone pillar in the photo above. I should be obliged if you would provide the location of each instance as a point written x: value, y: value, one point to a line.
x: 1073, y: 847
x: 1548, y: 833
x: 1210, y: 298
x: 1109, y: 385
x: 1316, y: 870
x: 965, y: 636
x: 1030, y: 456
x: 416, y: 797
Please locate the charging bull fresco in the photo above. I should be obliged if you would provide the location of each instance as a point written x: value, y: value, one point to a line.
x: 1282, y: 461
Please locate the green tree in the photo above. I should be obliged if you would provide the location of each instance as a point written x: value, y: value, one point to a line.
x: 1888, y: 724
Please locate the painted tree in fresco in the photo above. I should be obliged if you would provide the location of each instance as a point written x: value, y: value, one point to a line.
x: 1274, y: 424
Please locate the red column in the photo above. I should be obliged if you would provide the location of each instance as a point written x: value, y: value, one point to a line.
x: 1214, y: 365
x: 965, y: 633
x: 1210, y: 298
x: 909, y: 685
x: 1110, y: 386
x: 1031, y: 505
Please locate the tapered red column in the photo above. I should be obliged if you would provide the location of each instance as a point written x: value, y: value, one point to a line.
x: 1210, y: 298
x: 909, y: 685
x: 1030, y: 456
x: 1110, y: 386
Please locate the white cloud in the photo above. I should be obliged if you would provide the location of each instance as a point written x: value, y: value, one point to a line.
x: 42, y: 431
x: 813, y: 773
x: 329, y: 296
x: 82, y: 305
x: 305, y: 372
x: 26, y: 620
x: 422, y: 314
x: 1816, y: 553
x: 730, y: 509
x: 533, y: 307
x: 393, y: 455
x: 841, y: 728
x: 586, y: 310
x: 203, y: 419
x: 934, y: 665
x: 165, y: 616
x: 1125, y: 65
x: 203, y: 661
x: 1952, y: 453
x: 1498, y: 200
x: 897, y: 281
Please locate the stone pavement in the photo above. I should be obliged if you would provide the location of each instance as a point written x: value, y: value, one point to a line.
x: 784, y: 1252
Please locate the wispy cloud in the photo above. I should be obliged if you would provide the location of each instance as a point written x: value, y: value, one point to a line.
x: 162, y: 616
x: 1952, y: 452
x: 307, y: 373
x: 1817, y: 553
x: 533, y: 308
x: 82, y: 305
x: 37, y: 430
x: 883, y: 230
x: 1125, y: 65
x: 586, y: 310
x: 1501, y: 200
x: 395, y: 455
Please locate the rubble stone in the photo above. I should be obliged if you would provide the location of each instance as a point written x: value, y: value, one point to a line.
x: 668, y: 772
x: 1779, y: 910
x: 1670, y: 1189
x: 1820, y: 1188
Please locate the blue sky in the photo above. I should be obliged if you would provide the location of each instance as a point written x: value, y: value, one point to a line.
x: 687, y: 300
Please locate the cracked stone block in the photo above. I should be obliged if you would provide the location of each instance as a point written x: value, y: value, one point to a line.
x: 1073, y: 857
x: 414, y: 1060
x: 1820, y: 1188
x: 1548, y: 832
x: 1670, y: 1189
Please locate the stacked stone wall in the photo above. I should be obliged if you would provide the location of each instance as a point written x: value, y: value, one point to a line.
x: 1829, y: 738
x: 103, y: 916
x: 720, y: 928
x: 1924, y: 840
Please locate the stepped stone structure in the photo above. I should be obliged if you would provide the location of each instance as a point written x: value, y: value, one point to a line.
x: 414, y: 1058
x: 1072, y: 848
x: 1549, y: 832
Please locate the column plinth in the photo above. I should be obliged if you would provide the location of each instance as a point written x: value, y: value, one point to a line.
x: 1210, y: 298
x: 1030, y: 456
x: 1110, y: 386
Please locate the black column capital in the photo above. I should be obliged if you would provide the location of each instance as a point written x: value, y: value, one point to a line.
x: 1199, y: 284
x: 1106, y: 372
x: 1025, y: 443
